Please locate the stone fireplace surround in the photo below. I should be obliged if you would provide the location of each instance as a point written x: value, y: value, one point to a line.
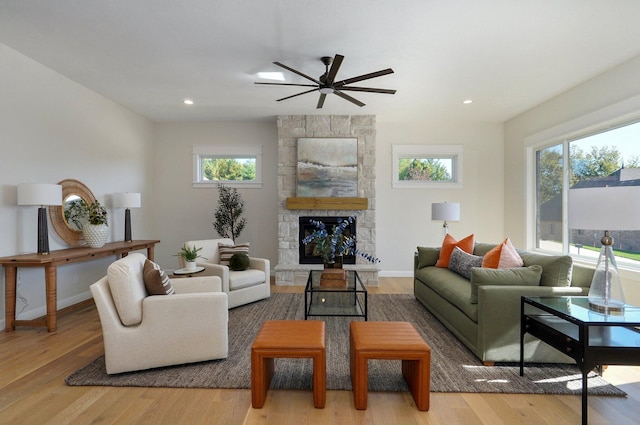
x: 288, y: 271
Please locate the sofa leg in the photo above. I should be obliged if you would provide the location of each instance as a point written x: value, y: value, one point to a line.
x: 489, y: 363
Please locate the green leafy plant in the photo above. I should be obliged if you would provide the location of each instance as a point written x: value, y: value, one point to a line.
x: 229, y: 222
x: 189, y: 254
x: 97, y: 214
x: 78, y: 212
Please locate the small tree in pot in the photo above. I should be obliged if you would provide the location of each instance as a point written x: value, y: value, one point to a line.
x: 229, y: 222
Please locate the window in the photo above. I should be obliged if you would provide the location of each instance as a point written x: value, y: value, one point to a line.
x: 433, y: 166
x: 600, y: 158
x: 233, y: 166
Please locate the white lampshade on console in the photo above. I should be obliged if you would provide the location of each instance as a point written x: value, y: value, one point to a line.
x: 40, y: 194
x: 445, y: 211
x: 605, y: 209
x: 127, y: 200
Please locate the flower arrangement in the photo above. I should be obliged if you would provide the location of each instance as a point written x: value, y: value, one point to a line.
x: 334, y: 244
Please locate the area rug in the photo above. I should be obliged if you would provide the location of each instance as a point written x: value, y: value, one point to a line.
x: 453, y: 367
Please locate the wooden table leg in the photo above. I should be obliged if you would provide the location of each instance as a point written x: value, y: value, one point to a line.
x: 150, y: 252
x: 10, y: 298
x: 50, y: 276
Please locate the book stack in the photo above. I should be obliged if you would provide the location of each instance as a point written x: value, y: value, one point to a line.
x: 333, y: 278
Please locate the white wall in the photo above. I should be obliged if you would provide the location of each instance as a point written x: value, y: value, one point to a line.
x: 183, y: 213
x: 53, y: 129
x: 587, y: 99
x: 404, y: 215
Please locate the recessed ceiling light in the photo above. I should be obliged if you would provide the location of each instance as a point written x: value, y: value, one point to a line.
x: 188, y: 102
x: 467, y: 101
x: 271, y: 75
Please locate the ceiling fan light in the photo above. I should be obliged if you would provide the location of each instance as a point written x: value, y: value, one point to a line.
x: 326, y: 90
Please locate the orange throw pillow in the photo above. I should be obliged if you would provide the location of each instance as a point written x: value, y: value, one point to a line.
x: 502, y: 256
x: 449, y: 243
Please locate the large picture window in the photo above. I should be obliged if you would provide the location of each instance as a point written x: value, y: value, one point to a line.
x: 606, y: 158
x: 229, y: 165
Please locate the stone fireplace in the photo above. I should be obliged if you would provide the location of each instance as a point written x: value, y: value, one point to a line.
x: 289, y: 270
x: 306, y: 253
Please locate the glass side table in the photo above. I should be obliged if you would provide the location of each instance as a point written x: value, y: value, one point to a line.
x: 348, y: 300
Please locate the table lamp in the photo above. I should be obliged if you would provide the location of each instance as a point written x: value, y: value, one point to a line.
x: 605, y: 209
x: 445, y: 211
x: 127, y: 200
x: 41, y: 194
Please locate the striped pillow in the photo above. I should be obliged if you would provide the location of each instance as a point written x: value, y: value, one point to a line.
x: 156, y: 280
x: 227, y: 251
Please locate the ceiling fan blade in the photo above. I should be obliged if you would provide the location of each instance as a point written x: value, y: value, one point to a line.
x: 321, y: 101
x: 364, y: 77
x: 286, y: 84
x: 368, y: 89
x: 335, y: 65
x: 297, y: 72
x: 347, y: 97
x: 298, y: 94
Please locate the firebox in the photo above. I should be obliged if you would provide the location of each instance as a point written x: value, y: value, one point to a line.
x: 306, y: 228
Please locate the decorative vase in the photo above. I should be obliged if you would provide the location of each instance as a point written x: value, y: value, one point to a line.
x: 95, y: 234
x: 190, y: 265
x: 335, y: 264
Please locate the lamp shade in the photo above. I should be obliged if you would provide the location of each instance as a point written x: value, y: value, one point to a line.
x: 126, y: 200
x: 39, y: 194
x: 445, y: 211
x: 605, y: 208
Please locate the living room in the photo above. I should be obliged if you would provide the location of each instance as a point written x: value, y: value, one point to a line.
x: 55, y: 127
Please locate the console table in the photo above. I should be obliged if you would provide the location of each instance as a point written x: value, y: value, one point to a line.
x: 50, y: 263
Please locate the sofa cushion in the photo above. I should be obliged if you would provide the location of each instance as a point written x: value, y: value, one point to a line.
x: 450, y: 286
x: 461, y: 262
x: 556, y: 269
x: 156, y: 281
x: 227, y: 251
x: 521, y: 276
x: 427, y: 256
x: 449, y: 243
x: 127, y: 287
x: 245, y: 278
x: 503, y: 256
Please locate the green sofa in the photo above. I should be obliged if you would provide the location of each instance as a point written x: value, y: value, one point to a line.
x: 490, y: 328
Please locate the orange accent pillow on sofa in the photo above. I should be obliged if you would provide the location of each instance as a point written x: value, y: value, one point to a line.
x: 502, y: 256
x: 449, y: 243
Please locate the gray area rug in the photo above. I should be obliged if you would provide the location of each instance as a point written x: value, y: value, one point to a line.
x: 453, y: 367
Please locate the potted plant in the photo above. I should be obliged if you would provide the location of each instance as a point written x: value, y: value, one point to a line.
x: 95, y: 231
x: 228, y: 216
x: 190, y: 255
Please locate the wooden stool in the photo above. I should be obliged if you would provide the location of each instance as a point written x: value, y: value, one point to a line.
x: 290, y: 339
x: 389, y: 341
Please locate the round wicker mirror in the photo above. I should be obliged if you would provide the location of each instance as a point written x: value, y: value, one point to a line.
x: 71, y: 190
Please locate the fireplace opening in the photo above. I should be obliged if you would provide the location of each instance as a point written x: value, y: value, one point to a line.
x: 306, y: 228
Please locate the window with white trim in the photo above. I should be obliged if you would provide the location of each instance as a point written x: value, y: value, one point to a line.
x: 233, y: 166
x: 427, y: 166
x: 603, y: 156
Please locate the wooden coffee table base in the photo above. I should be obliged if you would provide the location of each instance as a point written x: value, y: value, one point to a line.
x: 288, y: 339
x: 389, y: 341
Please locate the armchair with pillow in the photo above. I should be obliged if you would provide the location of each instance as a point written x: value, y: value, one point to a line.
x: 149, y: 320
x: 241, y: 286
x: 474, y: 289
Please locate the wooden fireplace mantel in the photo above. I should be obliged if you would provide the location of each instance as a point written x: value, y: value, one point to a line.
x: 327, y: 203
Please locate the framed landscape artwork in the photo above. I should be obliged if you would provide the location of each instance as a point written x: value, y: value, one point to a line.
x: 327, y: 167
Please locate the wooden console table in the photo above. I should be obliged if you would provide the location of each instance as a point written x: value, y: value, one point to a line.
x: 50, y: 263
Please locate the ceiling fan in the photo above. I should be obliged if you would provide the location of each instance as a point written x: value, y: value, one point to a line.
x: 325, y: 84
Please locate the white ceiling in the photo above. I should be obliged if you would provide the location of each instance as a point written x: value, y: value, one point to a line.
x: 148, y: 55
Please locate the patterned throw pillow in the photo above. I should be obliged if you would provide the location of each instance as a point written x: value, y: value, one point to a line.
x: 227, y: 251
x: 156, y: 280
x: 461, y: 262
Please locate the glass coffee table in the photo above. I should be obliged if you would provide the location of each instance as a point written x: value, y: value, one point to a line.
x: 592, y: 339
x: 347, y: 300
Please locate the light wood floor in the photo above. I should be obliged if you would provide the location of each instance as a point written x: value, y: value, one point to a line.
x: 34, y: 363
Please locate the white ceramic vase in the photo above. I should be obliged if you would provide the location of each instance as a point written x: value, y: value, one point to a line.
x: 190, y: 265
x: 95, y: 234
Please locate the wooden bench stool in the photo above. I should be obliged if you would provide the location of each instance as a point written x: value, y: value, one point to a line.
x: 389, y: 341
x: 288, y: 339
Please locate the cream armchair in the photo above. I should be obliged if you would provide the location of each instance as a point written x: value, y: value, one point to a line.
x: 143, y: 332
x: 242, y: 287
